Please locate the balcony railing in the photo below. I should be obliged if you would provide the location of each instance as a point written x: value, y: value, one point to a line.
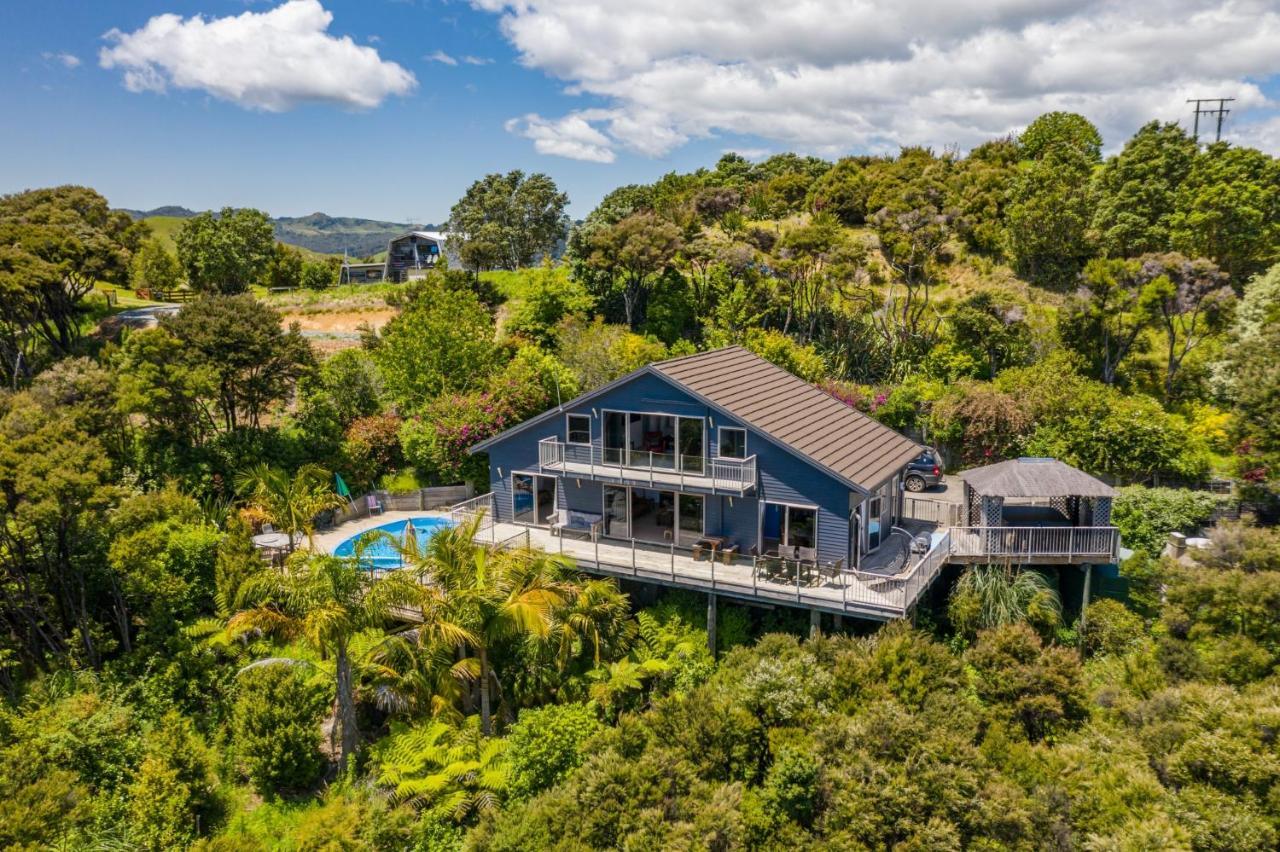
x: 1028, y: 543
x: 696, y: 471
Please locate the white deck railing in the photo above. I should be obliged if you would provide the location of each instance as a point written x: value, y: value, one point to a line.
x: 645, y: 466
x: 1035, y: 542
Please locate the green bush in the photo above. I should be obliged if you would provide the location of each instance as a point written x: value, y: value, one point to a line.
x: 1110, y: 629
x: 545, y: 745
x: 1146, y: 516
x: 276, y: 727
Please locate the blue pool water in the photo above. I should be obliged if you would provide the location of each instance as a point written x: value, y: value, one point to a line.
x: 381, y: 554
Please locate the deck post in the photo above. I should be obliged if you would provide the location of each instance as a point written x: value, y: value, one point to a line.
x: 837, y: 624
x: 713, y: 569
x: 797, y: 578
x: 1084, y: 597
x: 633, y: 558
x: 711, y: 624
x: 815, y: 623
x: 755, y: 572
x: 673, y: 561
x: 597, y: 548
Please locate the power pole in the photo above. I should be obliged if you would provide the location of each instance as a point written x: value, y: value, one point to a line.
x: 1221, y: 112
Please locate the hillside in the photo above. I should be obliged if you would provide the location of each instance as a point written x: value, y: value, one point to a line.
x: 335, y: 234
x: 317, y: 232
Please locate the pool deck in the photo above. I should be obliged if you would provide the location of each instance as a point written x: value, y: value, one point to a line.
x: 328, y: 541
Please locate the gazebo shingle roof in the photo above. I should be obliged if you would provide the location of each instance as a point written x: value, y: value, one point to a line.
x: 1035, y: 477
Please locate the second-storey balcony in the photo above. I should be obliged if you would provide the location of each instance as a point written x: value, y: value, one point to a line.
x: 643, y: 467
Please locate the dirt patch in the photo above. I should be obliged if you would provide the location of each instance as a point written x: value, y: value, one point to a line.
x: 339, y: 322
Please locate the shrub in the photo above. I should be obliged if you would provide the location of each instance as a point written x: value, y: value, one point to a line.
x: 1146, y: 516
x: 276, y: 727
x: 1110, y: 629
x: 545, y: 745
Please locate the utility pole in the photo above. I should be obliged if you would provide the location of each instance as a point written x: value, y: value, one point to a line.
x: 1221, y: 112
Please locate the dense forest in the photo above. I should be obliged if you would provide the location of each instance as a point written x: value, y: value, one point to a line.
x: 164, y: 687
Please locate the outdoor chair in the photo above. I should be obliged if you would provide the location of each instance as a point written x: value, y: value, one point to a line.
x: 728, y: 553
x: 571, y: 520
x: 375, y: 506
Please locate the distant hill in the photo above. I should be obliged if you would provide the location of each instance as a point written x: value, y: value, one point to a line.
x: 334, y: 234
x: 317, y: 232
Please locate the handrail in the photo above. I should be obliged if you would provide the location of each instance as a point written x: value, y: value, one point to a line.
x: 648, y: 466
x: 1013, y: 542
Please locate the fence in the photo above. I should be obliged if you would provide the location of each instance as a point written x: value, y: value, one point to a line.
x: 418, y: 500
x: 646, y: 466
x: 938, y: 512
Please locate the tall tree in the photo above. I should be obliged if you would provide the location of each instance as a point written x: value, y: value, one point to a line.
x: 228, y: 252
x: 632, y: 254
x: 1138, y: 189
x: 443, y: 341
x: 506, y: 221
x: 72, y: 240
x: 1105, y: 320
x: 1191, y: 301
x: 326, y: 600
x: 256, y: 363
x: 1056, y: 131
x: 1048, y: 216
x: 1228, y: 210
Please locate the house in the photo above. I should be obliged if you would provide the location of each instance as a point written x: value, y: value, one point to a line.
x: 724, y: 473
x: 361, y: 273
x: 413, y: 254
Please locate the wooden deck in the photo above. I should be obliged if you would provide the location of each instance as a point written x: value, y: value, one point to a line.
x: 852, y: 593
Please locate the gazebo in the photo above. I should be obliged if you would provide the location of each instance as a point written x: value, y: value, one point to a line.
x: 1036, y: 510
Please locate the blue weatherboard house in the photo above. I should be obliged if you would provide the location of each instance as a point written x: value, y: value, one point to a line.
x: 724, y: 473
x: 721, y: 447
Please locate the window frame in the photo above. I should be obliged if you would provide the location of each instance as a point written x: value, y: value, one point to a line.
x: 568, y: 430
x: 720, y: 430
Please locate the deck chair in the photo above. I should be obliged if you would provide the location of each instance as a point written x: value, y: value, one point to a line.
x: 375, y: 507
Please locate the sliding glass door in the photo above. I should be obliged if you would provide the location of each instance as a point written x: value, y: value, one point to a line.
x: 657, y: 441
x: 788, y: 526
x: 648, y: 514
x: 691, y: 518
x: 533, y: 498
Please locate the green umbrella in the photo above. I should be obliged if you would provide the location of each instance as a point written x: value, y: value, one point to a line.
x: 341, y: 487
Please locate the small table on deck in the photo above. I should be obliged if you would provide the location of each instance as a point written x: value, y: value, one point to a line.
x: 711, y: 543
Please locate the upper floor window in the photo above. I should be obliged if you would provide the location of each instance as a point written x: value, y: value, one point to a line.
x: 732, y: 443
x: 579, y: 429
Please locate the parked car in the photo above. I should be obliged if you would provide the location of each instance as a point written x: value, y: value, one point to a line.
x: 924, y: 471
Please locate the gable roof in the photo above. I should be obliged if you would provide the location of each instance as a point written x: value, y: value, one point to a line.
x: 785, y: 408
x: 1035, y: 477
x: 793, y: 412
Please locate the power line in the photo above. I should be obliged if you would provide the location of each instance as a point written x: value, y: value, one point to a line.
x: 1221, y: 112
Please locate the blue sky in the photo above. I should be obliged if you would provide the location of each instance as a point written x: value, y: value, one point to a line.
x: 597, y: 93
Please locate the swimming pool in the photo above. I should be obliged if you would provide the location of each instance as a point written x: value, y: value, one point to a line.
x: 381, y: 554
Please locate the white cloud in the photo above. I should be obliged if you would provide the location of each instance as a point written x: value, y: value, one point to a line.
x: 832, y: 76
x: 572, y: 136
x: 68, y: 60
x: 477, y: 60
x: 441, y: 57
x: 272, y: 60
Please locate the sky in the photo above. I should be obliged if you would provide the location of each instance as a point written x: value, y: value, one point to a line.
x: 389, y: 109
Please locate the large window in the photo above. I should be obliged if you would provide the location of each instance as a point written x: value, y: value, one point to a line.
x: 578, y: 429
x: 617, y: 518
x: 733, y: 443
x: 658, y: 441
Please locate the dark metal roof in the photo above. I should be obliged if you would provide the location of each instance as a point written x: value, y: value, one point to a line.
x: 795, y: 413
x: 1035, y: 477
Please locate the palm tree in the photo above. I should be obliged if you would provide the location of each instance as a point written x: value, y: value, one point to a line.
x: 327, y: 600
x: 492, y: 596
x: 291, y: 502
x: 596, y: 617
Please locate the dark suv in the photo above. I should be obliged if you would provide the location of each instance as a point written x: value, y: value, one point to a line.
x: 924, y: 471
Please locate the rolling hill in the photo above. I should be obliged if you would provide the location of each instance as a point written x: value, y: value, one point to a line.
x: 316, y: 232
